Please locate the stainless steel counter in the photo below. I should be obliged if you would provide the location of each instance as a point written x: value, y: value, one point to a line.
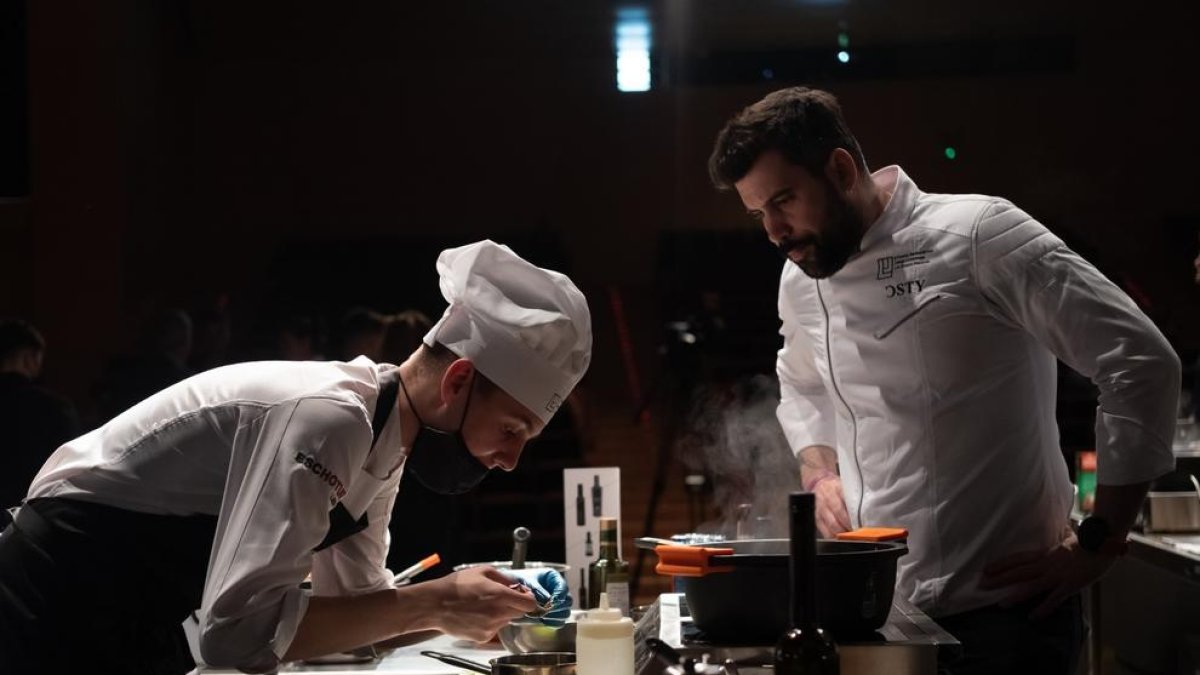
x: 907, y: 644
x: 401, y: 661
x: 1176, y: 553
x: 1144, y: 614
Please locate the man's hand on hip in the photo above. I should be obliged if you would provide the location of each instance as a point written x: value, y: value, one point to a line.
x: 1058, y: 573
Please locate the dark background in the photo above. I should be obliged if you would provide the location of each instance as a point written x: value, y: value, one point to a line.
x: 303, y: 153
x: 272, y: 156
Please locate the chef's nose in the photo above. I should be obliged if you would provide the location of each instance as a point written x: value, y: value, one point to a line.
x: 507, y: 458
x: 775, y: 225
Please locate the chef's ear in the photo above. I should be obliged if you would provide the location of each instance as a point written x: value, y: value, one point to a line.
x: 842, y: 171
x: 456, y: 380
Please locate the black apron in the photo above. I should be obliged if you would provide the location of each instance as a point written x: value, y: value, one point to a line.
x: 86, y: 587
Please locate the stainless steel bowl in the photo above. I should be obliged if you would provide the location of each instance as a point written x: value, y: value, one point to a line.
x: 523, y: 637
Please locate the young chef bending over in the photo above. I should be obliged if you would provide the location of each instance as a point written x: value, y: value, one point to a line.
x: 918, y: 380
x: 225, y: 491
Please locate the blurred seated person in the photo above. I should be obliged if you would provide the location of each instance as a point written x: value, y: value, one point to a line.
x: 1196, y: 264
x: 300, y: 338
x: 361, y: 333
x: 35, y: 420
x: 403, y: 334
x: 161, y: 359
x: 212, y: 333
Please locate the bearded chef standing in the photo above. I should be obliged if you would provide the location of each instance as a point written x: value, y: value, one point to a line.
x: 918, y: 380
x: 225, y: 491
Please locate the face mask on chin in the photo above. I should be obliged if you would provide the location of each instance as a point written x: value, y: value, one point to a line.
x: 439, y: 459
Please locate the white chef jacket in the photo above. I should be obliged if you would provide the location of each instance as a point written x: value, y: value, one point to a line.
x: 928, y: 362
x: 269, y: 448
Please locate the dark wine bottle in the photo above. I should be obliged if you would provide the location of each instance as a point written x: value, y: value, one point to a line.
x: 596, y: 496
x: 805, y: 649
x: 579, y: 508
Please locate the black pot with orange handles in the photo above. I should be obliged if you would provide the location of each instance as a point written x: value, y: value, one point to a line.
x: 738, y: 592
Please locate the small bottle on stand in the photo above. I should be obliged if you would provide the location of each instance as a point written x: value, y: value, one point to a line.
x: 609, y: 573
x: 604, y: 641
x: 587, y: 546
x: 597, y: 498
x: 805, y: 649
x: 580, y: 510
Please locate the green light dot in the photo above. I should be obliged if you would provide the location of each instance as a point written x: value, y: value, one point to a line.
x: 951, y: 153
x: 843, y: 40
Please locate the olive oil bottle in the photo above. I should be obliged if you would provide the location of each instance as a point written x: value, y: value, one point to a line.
x: 608, y: 573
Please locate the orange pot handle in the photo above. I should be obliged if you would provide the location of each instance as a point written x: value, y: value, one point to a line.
x: 689, y: 561
x: 874, y: 534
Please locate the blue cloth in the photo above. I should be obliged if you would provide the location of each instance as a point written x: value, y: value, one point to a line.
x: 549, y: 588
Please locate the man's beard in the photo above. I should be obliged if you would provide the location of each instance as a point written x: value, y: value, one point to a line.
x: 834, y: 244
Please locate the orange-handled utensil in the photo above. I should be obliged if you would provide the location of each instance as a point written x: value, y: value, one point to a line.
x: 417, y: 569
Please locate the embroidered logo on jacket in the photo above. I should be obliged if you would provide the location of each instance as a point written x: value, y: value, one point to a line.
x: 324, y: 474
x: 888, y: 265
x: 904, y: 288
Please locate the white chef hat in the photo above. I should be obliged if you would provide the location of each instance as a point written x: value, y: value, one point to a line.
x: 527, y: 329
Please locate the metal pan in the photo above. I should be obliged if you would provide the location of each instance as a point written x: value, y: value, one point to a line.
x: 536, y: 663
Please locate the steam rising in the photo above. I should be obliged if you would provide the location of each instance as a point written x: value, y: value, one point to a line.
x: 733, y: 438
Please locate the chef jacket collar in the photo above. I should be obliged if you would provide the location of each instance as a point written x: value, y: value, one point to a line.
x: 899, y: 208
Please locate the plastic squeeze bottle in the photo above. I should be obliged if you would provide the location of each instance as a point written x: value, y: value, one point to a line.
x: 604, y: 642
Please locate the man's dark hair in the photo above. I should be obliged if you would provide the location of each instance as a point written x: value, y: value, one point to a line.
x: 805, y: 124
x: 17, y: 335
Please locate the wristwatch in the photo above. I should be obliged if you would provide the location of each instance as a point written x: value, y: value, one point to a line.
x: 1095, y: 536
